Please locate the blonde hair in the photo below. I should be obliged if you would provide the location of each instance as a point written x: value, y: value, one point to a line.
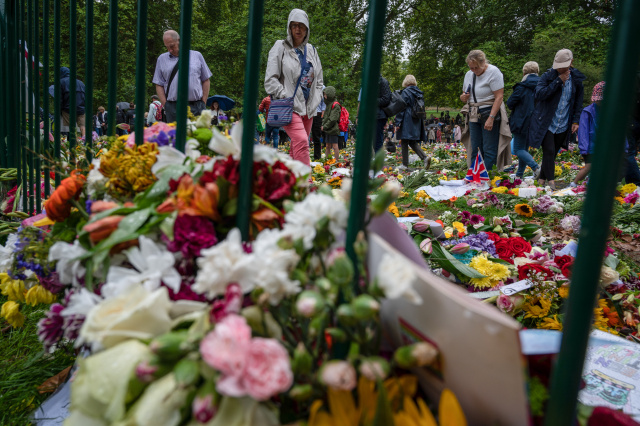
x: 530, y: 67
x: 409, y: 80
x: 477, y: 56
x: 100, y: 108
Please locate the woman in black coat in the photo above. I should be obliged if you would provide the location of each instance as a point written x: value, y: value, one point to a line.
x: 521, y: 103
x: 410, y: 130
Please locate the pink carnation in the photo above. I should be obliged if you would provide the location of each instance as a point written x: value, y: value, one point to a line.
x: 225, y: 347
x: 268, y: 369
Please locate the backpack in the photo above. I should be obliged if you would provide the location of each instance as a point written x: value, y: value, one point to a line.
x: 417, y: 110
x: 343, y: 124
x: 158, y: 110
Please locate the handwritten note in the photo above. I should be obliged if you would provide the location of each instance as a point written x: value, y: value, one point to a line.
x: 516, y: 287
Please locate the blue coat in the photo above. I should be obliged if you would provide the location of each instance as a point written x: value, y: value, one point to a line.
x: 548, y: 93
x: 521, y: 104
x: 411, y: 128
x: 64, y: 92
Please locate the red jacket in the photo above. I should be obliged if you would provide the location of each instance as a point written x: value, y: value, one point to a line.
x: 264, y: 105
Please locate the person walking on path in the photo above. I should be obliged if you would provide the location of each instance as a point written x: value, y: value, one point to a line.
x: 316, y: 130
x: 556, y: 116
x: 155, y: 109
x: 330, y: 122
x: 166, y: 78
x: 521, y: 103
x: 457, y: 134
x: 65, y: 86
x: 410, y: 130
x: 291, y: 60
x: 483, y: 91
x: 131, y: 117
x: 384, y: 99
x: 270, y: 133
x: 102, y: 120
x: 431, y: 135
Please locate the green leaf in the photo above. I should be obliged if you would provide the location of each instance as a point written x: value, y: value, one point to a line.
x: 451, y: 264
x: 384, y: 415
x: 134, y: 221
x: 230, y: 208
x: 611, y: 262
x: 500, y: 261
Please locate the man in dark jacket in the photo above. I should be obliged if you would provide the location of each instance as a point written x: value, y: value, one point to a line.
x: 521, y: 104
x: 65, y: 86
x: 558, y: 97
x: 384, y: 98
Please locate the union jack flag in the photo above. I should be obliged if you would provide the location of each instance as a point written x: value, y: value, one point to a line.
x: 478, y: 172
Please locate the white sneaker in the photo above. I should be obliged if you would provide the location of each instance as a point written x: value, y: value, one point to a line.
x: 536, y: 172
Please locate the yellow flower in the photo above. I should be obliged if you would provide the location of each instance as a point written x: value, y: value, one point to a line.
x: 335, y: 182
x: 524, y: 210
x: 422, y: 194
x: 563, y: 291
x: 330, y: 162
x: 537, y: 308
x: 129, y: 168
x: 620, y: 200
x: 493, y: 272
x: 558, y: 170
x: 13, y: 289
x: 400, y: 177
x: 551, y: 323
x: 403, y: 194
x: 500, y: 190
x: 410, y: 213
x: 11, y: 312
x: 443, y: 177
x: 494, y: 180
x: 393, y: 209
x: 459, y: 227
x: 628, y: 188
x: 38, y: 294
x: 318, y: 169
x: 516, y: 191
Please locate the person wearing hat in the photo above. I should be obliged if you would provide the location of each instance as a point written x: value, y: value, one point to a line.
x: 587, y: 136
x: 558, y: 98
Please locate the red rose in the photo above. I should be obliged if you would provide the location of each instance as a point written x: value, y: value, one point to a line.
x: 519, y: 246
x: 272, y: 182
x: 524, y: 271
x: 493, y: 236
x: 503, y: 249
x: 229, y: 169
x: 563, y: 260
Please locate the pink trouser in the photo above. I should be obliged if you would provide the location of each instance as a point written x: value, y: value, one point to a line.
x: 298, y: 131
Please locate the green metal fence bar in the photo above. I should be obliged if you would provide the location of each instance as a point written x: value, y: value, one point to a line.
x: 183, y: 73
x: 56, y: 86
x: 251, y: 74
x: 624, y: 52
x: 88, y: 79
x: 113, y: 67
x: 4, y: 95
x: 366, y: 122
x: 30, y: 106
x: 73, y: 84
x: 45, y: 94
x: 141, y: 70
x: 11, y: 79
x: 36, y: 94
x: 23, y: 109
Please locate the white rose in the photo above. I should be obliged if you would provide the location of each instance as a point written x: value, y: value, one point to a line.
x: 396, y: 278
x: 608, y: 276
x: 135, y: 314
x: 99, y: 389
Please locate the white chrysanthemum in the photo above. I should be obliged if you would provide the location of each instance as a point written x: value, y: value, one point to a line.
x: 298, y: 168
x: 6, y: 252
x: 396, y: 278
x: 272, y: 266
x: 69, y: 269
x: 95, y: 179
x: 301, y: 221
x: 153, y: 264
x: 81, y: 303
x: 223, y: 264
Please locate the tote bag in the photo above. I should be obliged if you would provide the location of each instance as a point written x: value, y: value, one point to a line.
x: 396, y: 105
x: 281, y: 110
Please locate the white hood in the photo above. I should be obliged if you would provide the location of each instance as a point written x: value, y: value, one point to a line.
x: 298, y: 15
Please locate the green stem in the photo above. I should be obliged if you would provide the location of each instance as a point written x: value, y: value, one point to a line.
x: 268, y: 205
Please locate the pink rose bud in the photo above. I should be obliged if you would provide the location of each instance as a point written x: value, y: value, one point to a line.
x: 403, y: 226
x: 416, y: 355
x: 338, y: 375
x: 145, y: 372
x: 421, y: 226
x: 203, y: 408
x: 460, y: 248
x: 426, y: 246
x: 375, y: 368
x: 504, y: 303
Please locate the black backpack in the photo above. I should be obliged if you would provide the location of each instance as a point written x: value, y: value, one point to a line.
x: 417, y: 110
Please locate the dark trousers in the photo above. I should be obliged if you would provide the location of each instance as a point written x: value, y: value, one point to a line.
x: 316, y: 134
x: 380, y: 134
x: 171, y: 109
x: 551, y: 144
x: 415, y: 146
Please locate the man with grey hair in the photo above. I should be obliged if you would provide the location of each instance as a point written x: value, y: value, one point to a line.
x: 166, y: 81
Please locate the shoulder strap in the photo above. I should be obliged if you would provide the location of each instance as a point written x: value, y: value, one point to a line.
x: 173, y: 74
x: 302, y: 65
x: 473, y: 88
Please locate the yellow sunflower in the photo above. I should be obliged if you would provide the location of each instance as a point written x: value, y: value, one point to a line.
x: 551, y: 323
x: 536, y: 308
x: 393, y: 210
x: 524, y: 210
x: 410, y: 213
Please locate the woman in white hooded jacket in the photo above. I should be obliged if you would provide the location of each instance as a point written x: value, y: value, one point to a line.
x: 283, y: 70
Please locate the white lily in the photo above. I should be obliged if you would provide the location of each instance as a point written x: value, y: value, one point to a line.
x: 69, y: 268
x: 153, y: 265
x: 6, y: 252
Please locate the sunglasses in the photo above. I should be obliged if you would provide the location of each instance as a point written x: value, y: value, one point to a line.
x: 295, y: 26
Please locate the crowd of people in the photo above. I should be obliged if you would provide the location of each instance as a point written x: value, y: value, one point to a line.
x: 546, y: 110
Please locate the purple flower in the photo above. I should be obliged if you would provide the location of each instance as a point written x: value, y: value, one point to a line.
x: 631, y: 198
x: 478, y: 242
x: 192, y: 234
x: 476, y: 219
x: 51, y: 327
x: 52, y: 283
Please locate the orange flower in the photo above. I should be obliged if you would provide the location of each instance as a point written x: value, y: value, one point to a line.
x: 264, y: 218
x: 453, y: 199
x: 411, y: 213
x: 100, y: 206
x: 101, y: 229
x: 58, y: 206
x: 610, y: 314
x: 204, y: 202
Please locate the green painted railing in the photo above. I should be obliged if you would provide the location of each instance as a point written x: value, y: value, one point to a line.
x: 20, y: 141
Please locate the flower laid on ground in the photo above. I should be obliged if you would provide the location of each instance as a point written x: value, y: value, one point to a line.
x: 493, y: 272
x: 524, y: 210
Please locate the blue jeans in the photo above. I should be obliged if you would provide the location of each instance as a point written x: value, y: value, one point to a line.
x: 521, y: 149
x: 268, y: 131
x: 485, y: 140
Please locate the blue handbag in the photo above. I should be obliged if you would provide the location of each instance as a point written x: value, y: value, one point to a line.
x: 281, y: 110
